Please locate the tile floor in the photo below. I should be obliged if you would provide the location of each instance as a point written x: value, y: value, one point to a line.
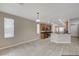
x: 43, y: 48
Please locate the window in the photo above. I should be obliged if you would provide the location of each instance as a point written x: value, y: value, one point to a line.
x: 8, y: 27
x: 59, y: 29
x: 56, y: 29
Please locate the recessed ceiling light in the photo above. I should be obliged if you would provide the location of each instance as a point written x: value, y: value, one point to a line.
x: 22, y: 4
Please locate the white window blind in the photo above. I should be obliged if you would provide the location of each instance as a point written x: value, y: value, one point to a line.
x: 8, y: 27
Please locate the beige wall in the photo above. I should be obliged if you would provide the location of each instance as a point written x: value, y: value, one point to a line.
x: 25, y: 30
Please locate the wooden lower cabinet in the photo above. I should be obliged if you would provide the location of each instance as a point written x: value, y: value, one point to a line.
x: 42, y: 36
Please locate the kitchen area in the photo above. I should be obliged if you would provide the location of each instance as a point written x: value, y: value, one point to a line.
x: 58, y: 33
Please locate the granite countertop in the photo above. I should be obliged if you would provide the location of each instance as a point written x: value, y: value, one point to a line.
x: 61, y: 33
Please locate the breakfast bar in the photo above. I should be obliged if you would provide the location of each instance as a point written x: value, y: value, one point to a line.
x: 61, y: 32
x: 61, y: 38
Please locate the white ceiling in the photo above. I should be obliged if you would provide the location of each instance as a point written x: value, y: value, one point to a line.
x: 48, y: 11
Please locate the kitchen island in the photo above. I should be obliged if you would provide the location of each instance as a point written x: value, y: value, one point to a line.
x: 61, y: 37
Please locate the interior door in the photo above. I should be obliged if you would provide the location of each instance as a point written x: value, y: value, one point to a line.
x: 74, y: 30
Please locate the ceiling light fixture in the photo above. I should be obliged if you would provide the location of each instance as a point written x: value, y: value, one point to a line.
x: 37, y: 19
x: 22, y: 4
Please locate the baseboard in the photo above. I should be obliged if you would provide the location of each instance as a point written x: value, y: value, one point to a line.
x: 19, y: 43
